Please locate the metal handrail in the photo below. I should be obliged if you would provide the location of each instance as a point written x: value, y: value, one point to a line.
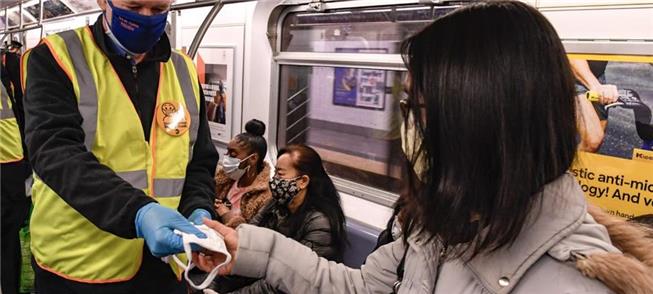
x: 201, y: 31
x: 204, y: 27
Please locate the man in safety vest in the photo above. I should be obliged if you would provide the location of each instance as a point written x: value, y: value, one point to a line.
x: 11, y: 78
x: 14, y: 170
x: 121, y: 152
x: 14, y: 167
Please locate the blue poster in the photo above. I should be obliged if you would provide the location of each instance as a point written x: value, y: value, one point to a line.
x: 364, y: 88
x: 346, y: 86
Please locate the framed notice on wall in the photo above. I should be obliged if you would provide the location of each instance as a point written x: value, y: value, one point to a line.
x: 215, y: 67
x: 615, y: 162
x: 358, y: 87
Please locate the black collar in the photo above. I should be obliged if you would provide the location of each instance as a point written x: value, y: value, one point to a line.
x: 159, y: 53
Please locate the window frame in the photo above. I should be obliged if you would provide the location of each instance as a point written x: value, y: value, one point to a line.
x: 388, y: 62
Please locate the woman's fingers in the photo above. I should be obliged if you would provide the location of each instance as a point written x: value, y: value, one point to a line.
x: 231, y: 241
x: 609, y: 94
x: 218, y: 227
x: 222, y: 210
x: 203, y: 261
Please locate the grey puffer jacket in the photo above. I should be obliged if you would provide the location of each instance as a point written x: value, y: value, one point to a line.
x: 540, y: 261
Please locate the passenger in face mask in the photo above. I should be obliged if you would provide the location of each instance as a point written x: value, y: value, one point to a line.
x: 305, y: 207
x: 306, y: 204
x: 242, y: 177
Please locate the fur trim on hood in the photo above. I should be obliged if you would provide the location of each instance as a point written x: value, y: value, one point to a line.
x: 630, y: 272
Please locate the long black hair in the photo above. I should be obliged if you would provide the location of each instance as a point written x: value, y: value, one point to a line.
x: 493, y: 95
x: 252, y: 140
x: 321, y: 194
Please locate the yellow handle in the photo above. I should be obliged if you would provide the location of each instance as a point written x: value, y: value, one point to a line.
x: 592, y: 96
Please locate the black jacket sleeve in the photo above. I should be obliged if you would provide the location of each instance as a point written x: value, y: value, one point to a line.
x: 13, y: 76
x: 199, y: 187
x: 315, y: 234
x: 13, y: 66
x: 55, y: 141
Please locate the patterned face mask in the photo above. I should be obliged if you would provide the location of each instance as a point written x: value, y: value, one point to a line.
x: 284, y: 190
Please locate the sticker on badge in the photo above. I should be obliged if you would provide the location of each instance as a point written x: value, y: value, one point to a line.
x: 173, y: 119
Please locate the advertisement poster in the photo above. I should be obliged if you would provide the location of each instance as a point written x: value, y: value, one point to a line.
x: 615, y: 162
x: 52, y: 8
x: 356, y: 87
x: 81, y: 5
x: 215, y: 67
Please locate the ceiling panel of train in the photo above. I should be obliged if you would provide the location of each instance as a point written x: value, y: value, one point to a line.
x: 9, y: 13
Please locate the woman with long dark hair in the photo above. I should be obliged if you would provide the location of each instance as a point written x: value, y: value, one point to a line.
x: 491, y: 113
x: 306, y: 205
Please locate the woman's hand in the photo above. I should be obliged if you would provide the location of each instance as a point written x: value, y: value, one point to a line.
x: 221, y: 208
x: 607, y: 93
x: 207, y: 261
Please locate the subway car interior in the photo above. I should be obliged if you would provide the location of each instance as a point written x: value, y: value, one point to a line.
x: 330, y: 75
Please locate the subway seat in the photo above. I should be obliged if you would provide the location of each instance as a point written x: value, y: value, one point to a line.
x: 362, y: 240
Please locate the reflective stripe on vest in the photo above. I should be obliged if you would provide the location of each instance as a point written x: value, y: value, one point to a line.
x: 87, y: 98
x: 11, y: 148
x: 64, y: 241
x: 5, y: 111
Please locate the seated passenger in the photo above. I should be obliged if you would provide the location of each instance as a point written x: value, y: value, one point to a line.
x: 492, y: 103
x: 305, y: 207
x: 306, y: 204
x: 242, y: 178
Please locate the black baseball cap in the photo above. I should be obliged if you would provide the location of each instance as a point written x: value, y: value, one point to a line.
x: 15, y: 44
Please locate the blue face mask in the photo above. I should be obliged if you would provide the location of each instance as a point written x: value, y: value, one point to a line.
x: 133, y: 32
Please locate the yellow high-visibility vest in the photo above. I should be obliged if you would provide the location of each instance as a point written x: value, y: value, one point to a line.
x: 11, y: 148
x: 64, y: 242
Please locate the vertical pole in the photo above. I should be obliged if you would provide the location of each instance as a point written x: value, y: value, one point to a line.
x: 21, y: 34
x: 6, y: 21
x: 41, y: 17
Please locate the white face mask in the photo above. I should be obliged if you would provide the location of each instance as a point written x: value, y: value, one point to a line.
x: 231, y: 166
x: 213, y: 242
x: 411, y: 143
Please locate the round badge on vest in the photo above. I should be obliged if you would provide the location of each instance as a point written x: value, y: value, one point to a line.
x: 173, y: 119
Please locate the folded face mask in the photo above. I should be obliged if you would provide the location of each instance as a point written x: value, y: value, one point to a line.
x: 214, y: 242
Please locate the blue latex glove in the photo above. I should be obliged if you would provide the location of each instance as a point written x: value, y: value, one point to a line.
x: 198, y: 216
x: 156, y: 224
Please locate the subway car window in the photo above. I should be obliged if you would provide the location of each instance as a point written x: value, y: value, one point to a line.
x: 51, y: 8
x: 350, y: 116
x: 13, y: 19
x: 341, y: 30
